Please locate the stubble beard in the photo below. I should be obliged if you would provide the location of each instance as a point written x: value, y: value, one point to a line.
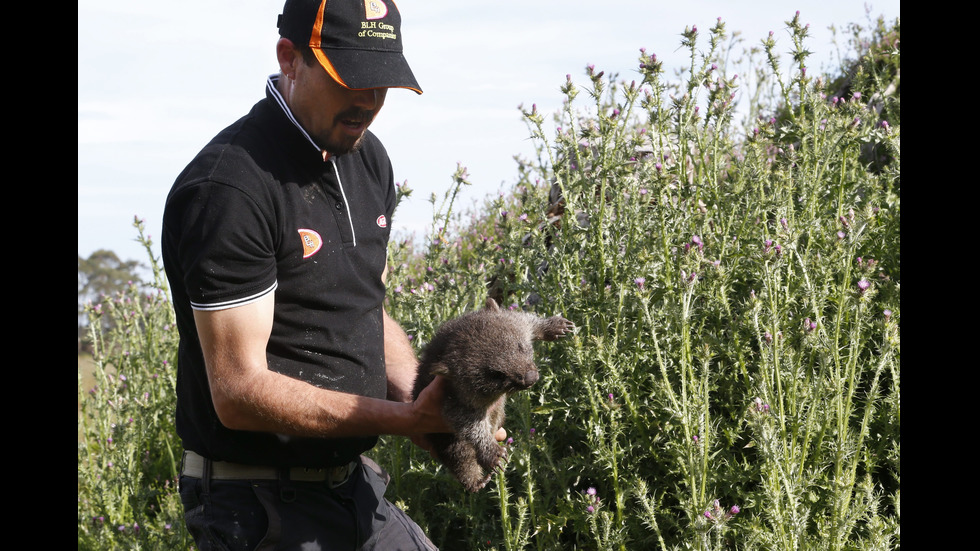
x: 347, y: 144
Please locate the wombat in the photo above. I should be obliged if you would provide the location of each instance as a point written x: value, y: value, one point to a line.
x: 485, y: 355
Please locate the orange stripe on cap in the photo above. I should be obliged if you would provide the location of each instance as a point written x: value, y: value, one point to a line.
x: 316, y: 38
x: 316, y: 41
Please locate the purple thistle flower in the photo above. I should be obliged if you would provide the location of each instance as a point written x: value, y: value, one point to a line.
x: 640, y: 281
x: 590, y: 509
x: 863, y: 285
x: 735, y: 510
x: 590, y: 491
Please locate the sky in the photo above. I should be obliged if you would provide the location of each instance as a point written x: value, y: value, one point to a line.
x: 157, y: 80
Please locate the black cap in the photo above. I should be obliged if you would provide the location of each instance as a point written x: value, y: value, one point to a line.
x: 358, y: 42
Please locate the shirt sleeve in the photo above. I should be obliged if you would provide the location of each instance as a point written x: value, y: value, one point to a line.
x: 226, y: 245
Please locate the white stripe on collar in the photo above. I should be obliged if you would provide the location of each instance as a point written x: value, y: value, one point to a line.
x: 272, y: 85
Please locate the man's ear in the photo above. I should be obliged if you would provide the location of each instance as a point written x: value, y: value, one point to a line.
x: 288, y: 57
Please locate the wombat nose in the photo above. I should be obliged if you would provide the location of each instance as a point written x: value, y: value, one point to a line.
x: 531, y: 377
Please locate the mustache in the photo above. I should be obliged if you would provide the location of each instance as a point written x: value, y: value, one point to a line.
x: 357, y: 115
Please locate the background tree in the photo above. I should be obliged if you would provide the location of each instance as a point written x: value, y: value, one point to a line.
x: 101, y: 275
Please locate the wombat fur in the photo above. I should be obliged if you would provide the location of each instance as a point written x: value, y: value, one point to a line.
x: 485, y: 355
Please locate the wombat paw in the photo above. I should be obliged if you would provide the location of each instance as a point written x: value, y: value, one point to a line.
x: 477, y: 485
x: 555, y: 327
x: 492, y: 458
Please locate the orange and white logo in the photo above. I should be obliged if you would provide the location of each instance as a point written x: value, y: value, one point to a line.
x: 382, y: 221
x: 311, y: 242
x: 375, y: 9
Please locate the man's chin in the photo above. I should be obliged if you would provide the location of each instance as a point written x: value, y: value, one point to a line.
x: 342, y: 147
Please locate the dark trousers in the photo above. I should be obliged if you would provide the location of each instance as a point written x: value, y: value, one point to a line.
x: 265, y: 515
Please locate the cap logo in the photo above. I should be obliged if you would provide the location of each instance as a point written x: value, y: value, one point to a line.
x: 382, y: 221
x: 375, y: 9
x: 311, y: 242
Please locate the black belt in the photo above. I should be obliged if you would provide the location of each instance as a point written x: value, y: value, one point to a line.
x: 194, y: 463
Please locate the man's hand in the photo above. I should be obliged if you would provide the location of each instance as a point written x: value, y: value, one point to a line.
x: 428, y: 407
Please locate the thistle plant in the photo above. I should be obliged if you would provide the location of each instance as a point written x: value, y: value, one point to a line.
x: 734, y: 380
x: 128, y: 451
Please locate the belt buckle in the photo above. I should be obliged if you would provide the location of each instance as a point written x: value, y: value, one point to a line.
x: 337, y: 476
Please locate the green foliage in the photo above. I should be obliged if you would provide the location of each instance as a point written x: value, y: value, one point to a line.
x: 737, y: 302
x: 128, y: 450
x: 734, y: 378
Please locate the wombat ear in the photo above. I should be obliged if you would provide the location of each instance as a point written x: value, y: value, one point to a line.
x: 492, y: 304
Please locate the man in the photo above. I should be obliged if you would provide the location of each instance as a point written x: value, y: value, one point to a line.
x: 274, y: 243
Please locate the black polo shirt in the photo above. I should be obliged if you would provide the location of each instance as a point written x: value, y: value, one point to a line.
x: 259, y: 211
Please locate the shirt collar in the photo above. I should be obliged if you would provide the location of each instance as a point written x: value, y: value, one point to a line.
x: 272, y: 88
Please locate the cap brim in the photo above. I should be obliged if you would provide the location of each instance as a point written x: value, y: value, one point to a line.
x: 359, y: 69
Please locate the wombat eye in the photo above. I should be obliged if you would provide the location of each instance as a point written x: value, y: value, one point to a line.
x: 498, y: 375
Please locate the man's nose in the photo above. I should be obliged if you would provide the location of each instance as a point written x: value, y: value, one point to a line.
x: 366, y: 99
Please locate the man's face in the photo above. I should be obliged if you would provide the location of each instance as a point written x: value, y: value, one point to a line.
x: 335, y: 117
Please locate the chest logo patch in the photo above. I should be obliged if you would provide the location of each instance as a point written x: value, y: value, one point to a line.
x: 311, y: 242
x: 382, y: 221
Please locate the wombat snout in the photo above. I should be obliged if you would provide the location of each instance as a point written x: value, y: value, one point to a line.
x: 531, y: 376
